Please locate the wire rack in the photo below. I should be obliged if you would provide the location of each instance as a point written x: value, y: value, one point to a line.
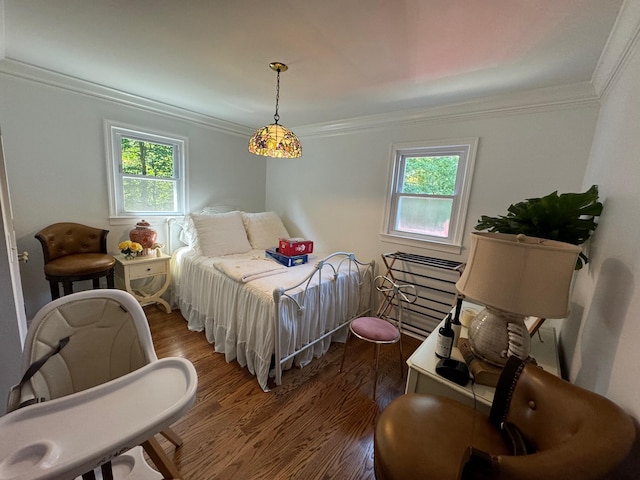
x: 434, y: 279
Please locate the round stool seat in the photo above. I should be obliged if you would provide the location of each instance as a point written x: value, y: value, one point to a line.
x: 79, y: 264
x: 74, y: 252
x: 375, y: 329
x: 414, y: 425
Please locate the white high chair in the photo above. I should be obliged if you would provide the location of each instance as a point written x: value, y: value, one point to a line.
x: 108, y: 338
x: 75, y: 434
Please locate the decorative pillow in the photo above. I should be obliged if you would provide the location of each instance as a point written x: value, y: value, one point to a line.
x: 221, y: 234
x: 213, y: 209
x: 264, y: 229
x: 188, y: 234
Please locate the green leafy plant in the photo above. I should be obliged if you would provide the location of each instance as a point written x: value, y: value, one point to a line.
x: 569, y: 217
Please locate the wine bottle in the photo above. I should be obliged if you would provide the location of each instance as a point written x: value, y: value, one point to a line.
x: 445, y: 339
x: 455, y: 323
x: 456, y: 318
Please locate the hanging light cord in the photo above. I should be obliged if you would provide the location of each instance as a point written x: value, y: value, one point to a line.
x: 276, y: 117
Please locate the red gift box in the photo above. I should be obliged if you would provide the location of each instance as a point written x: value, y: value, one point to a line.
x: 294, y: 246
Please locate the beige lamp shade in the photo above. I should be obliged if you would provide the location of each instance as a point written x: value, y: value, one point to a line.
x: 523, y: 275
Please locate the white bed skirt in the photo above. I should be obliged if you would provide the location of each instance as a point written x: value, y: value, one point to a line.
x: 238, y: 318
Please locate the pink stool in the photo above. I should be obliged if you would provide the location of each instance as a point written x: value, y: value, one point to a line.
x: 383, y: 330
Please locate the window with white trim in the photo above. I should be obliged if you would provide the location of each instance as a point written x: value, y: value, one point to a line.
x: 147, y: 172
x: 428, y: 191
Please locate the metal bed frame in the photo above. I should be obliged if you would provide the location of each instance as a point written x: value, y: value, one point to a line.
x: 353, y: 266
x: 345, y: 263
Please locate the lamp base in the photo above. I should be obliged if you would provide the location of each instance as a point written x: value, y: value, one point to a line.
x: 495, y: 335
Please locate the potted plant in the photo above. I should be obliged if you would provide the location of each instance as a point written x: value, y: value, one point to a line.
x: 569, y: 217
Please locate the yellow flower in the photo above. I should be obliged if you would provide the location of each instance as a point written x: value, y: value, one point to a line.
x: 124, y: 245
x: 129, y: 248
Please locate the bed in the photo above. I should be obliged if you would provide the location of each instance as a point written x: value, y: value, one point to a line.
x: 263, y: 315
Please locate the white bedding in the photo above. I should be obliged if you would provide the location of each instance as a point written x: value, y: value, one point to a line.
x: 248, y: 269
x: 238, y: 316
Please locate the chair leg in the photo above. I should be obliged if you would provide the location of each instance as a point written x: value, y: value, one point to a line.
x: 55, y: 290
x: 172, y: 436
x: 165, y: 466
x: 110, y: 281
x: 344, y: 352
x: 96, y: 283
x: 375, y: 373
x: 67, y: 286
x: 401, y: 358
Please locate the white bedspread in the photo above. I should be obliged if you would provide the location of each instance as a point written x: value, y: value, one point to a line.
x: 238, y: 318
x: 247, y: 269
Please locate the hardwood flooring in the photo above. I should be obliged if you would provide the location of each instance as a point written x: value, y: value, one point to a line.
x: 317, y: 425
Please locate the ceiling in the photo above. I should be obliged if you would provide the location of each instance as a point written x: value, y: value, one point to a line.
x: 346, y: 58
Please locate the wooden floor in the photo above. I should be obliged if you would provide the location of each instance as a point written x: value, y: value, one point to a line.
x: 317, y: 425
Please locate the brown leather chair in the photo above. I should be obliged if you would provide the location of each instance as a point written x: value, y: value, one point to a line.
x: 540, y: 428
x: 74, y: 252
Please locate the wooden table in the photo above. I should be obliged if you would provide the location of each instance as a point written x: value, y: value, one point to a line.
x: 144, y: 268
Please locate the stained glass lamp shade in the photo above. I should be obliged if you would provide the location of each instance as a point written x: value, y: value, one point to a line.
x: 274, y: 140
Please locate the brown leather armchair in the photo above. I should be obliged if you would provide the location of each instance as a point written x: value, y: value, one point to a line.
x: 74, y: 252
x: 540, y: 428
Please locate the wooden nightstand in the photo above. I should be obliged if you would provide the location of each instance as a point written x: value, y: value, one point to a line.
x: 140, y: 268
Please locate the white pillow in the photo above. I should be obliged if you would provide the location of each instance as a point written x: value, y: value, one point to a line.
x: 264, y: 229
x: 188, y: 234
x: 221, y: 234
x: 217, y: 209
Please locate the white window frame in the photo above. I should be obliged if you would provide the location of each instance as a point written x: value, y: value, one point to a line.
x: 113, y: 134
x: 466, y: 149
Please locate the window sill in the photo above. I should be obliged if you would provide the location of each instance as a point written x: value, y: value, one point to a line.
x: 425, y: 244
x: 132, y: 220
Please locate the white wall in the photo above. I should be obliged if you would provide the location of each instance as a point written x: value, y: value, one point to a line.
x: 335, y: 194
x: 601, y: 335
x: 55, y: 155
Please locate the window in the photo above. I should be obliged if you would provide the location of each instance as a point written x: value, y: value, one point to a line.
x: 147, y: 173
x: 429, y: 191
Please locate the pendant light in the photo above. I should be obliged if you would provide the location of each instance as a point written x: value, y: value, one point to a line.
x: 274, y: 140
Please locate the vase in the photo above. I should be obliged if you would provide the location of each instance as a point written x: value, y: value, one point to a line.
x: 144, y: 235
x: 495, y: 335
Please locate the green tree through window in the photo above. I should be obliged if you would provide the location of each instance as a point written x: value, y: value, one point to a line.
x: 430, y: 175
x: 148, y: 173
x: 144, y: 166
x: 429, y: 191
x: 428, y: 187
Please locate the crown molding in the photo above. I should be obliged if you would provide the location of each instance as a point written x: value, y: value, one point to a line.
x: 543, y: 99
x: 621, y: 43
x: 50, y: 78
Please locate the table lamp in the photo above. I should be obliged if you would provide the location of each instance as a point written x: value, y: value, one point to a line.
x: 514, y: 276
